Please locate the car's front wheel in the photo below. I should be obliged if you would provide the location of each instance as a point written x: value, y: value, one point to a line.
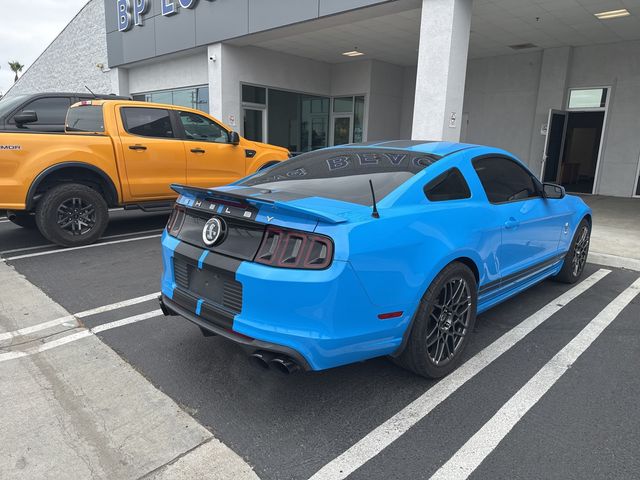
x: 72, y: 215
x: 444, y: 321
x: 576, y: 257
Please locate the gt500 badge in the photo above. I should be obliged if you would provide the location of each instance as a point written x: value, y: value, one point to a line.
x: 10, y: 147
x: 214, y: 231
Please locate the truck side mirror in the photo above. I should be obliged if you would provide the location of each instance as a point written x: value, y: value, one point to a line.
x: 551, y: 190
x: 26, y: 116
x: 234, y: 138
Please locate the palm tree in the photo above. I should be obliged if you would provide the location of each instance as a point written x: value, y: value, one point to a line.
x: 16, y: 67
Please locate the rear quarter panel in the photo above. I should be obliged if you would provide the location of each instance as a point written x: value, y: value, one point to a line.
x: 36, y: 152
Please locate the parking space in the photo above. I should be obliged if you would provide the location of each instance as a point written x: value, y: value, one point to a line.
x: 373, y: 419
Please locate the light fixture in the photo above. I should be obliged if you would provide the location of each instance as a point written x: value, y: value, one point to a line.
x: 352, y: 53
x: 623, y: 12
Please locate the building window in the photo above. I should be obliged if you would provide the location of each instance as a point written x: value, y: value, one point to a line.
x: 193, y: 97
x: 588, y: 98
x: 300, y: 122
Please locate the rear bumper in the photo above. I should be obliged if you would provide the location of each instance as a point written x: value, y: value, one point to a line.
x: 169, y: 307
x: 322, y: 318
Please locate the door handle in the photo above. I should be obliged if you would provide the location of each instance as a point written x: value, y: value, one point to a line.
x: 511, y: 223
x: 137, y: 147
x: 197, y: 150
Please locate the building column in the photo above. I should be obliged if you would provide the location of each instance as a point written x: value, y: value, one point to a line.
x: 442, y: 65
x: 119, y: 80
x: 214, y: 59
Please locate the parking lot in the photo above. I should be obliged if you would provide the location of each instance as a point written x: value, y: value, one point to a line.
x: 550, y: 387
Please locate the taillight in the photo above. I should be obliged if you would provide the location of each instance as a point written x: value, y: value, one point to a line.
x: 286, y: 248
x: 176, y: 219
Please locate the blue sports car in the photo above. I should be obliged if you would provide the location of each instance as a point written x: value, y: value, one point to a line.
x: 382, y: 248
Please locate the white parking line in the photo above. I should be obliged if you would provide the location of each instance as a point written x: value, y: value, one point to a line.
x: 382, y: 436
x: 70, y: 318
x: 478, y: 447
x: 47, y: 245
x: 63, y: 250
x: 78, y: 336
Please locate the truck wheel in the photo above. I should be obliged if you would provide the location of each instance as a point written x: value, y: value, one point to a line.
x: 72, y: 215
x: 22, y: 219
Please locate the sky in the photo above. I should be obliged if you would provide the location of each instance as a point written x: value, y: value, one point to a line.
x: 27, y: 27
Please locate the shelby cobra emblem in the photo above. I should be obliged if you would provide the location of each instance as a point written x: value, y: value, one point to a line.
x: 213, y: 231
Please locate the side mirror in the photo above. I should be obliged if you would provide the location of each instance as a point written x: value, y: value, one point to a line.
x: 234, y: 138
x: 551, y: 190
x: 26, y: 116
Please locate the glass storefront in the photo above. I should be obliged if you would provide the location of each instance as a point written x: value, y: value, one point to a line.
x: 298, y: 121
x: 193, y: 97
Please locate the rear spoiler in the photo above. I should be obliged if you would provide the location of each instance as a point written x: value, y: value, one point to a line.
x: 257, y: 202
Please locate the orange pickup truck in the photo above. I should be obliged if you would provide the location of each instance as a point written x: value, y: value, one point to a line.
x: 117, y: 153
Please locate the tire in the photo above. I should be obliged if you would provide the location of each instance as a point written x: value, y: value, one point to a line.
x: 576, y: 257
x: 437, y: 330
x: 22, y: 219
x: 72, y: 215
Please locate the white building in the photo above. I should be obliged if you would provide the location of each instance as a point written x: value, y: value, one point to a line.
x: 311, y: 73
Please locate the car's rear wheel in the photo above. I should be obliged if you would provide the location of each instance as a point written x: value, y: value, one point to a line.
x: 72, y: 215
x: 22, y: 219
x: 576, y: 257
x: 442, y: 326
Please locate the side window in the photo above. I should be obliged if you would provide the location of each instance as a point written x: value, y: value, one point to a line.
x: 504, y: 180
x: 50, y: 111
x: 147, y: 122
x: 197, y: 127
x: 449, y: 185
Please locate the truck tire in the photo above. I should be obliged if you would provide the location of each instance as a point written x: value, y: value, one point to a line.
x: 71, y: 215
x: 22, y: 219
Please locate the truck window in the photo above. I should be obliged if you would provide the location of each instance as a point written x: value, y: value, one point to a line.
x: 87, y: 118
x: 147, y: 122
x: 197, y: 127
x: 50, y: 110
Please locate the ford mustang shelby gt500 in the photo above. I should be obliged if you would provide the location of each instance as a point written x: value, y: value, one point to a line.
x: 353, y: 252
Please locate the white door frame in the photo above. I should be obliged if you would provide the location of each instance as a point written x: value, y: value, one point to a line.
x: 605, y: 109
x: 636, y: 184
x: 554, y: 111
x: 332, y: 125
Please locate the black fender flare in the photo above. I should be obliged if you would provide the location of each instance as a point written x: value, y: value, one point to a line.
x: 111, y: 191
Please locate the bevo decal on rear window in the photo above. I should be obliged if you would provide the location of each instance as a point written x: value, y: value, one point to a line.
x: 349, y: 170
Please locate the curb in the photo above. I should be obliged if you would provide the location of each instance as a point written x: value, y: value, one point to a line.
x: 614, y: 261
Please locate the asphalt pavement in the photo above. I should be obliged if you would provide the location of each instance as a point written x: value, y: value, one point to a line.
x: 549, y: 388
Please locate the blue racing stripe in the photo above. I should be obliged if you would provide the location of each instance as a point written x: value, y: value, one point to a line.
x: 199, y: 306
x: 202, y: 257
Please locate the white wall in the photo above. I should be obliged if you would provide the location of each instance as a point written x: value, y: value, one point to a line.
x: 259, y: 66
x: 173, y: 72
x: 408, y: 96
x: 70, y: 62
x: 500, y: 98
x: 385, y: 101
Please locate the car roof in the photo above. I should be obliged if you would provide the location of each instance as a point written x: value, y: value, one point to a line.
x: 431, y: 147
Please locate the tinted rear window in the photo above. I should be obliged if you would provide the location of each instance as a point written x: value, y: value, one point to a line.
x: 343, y: 174
x: 87, y: 118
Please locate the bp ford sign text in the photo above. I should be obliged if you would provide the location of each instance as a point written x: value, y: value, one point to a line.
x: 131, y: 12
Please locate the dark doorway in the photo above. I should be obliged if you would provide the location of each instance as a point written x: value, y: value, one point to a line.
x: 572, y: 149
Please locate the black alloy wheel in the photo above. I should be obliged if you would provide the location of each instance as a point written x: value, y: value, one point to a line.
x: 76, y: 216
x: 443, y: 323
x: 448, y: 321
x: 576, y: 257
x: 72, y: 214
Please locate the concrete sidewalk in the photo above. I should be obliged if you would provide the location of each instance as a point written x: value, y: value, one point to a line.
x: 80, y: 411
x: 615, y: 238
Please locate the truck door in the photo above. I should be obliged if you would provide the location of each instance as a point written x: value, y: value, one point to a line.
x: 154, y: 157
x: 211, y: 160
